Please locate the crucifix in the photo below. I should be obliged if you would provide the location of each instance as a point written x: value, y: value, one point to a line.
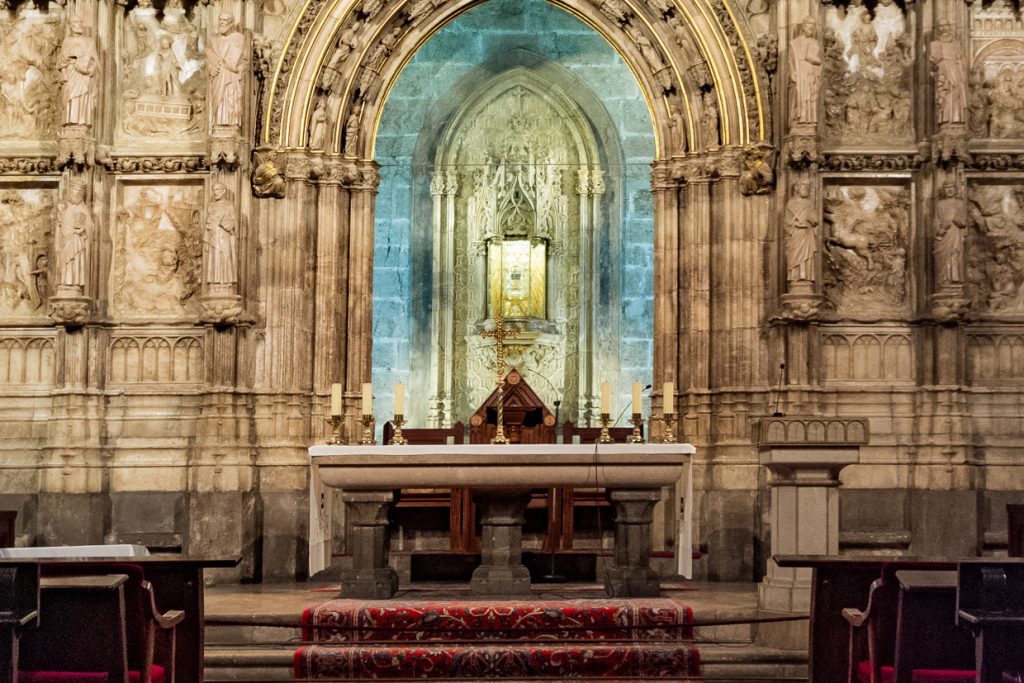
x: 500, y: 333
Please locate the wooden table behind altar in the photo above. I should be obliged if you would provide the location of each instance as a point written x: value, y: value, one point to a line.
x: 501, y: 477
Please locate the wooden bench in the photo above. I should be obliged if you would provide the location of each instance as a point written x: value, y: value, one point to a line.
x: 19, y: 609
x: 990, y: 601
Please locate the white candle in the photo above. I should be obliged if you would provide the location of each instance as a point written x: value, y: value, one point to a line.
x: 637, y: 405
x: 335, y: 400
x: 399, y: 399
x: 669, y: 397
x: 606, y: 398
x: 367, y: 398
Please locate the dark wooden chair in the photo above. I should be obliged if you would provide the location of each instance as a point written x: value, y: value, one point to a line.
x: 907, y: 631
x: 19, y: 609
x: 148, y: 635
x: 990, y: 602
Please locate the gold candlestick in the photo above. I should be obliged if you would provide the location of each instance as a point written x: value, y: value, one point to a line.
x: 397, y: 439
x: 500, y: 333
x: 636, y: 436
x: 670, y: 435
x: 605, y: 437
x: 335, y: 438
x: 367, y: 439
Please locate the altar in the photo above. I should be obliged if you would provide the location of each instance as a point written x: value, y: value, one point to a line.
x: 501, y: 478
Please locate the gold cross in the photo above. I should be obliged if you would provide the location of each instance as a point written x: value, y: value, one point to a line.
x: 500, y: 333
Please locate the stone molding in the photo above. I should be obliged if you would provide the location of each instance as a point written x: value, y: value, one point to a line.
x: 811, y: 432
x: 870, y: 161
x: 154, y: 164
x: 29, y: 166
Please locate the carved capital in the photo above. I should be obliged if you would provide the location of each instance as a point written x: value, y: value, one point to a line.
x: 696, y: 169
x: 224, y: 152
x: 69, y: 310
x: 76, y: 147
x: 800, y: 306
x: 802, y: 150
x: 221, y: 309
x: 949, y: 304
x: 949, y: 146
x: 728, y: 162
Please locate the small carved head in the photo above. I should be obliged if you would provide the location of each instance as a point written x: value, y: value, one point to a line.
x: 76, y: 193
x: 225, y: 23
x: 949, y: 190
x: 219, y: 191
x: 75, y: 26
x: 945, y: 30
x: 808, y: 27
x: 802, y: 188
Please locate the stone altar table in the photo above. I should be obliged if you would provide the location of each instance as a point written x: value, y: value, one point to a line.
x: 501, y: 477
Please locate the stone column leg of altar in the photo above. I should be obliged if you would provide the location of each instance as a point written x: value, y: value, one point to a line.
x: 370, y: 576
x: 501, y: 570
x: 630, y: 574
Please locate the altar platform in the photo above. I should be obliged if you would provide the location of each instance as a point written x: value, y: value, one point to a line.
x: 267, y: 653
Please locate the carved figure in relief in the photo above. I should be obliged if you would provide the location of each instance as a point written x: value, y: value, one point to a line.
x: 157, y: 251
x: 866, y: 249
x: 41, y: 277
x: 418, y: 9
x: 28, y: 107
x: 950, y: 76
x: 25, y: 219
x: 978, y: 104
x: 79, y: 66
x: 227, y: 57
x: 266, y: 175
x: 369, y: 8
x: 221, y: 230
x: 1005, y: 119
x: 805, y: 73
x: 616, y: 10
x: 864, y: 40
x: 802, y: 240
x: 951, y: 219
x: 995, y: 249
x: 352, y: 134
x: 758, y: 174
x: 75, y: 226
x: 709, y: 120
x: 318, y: 124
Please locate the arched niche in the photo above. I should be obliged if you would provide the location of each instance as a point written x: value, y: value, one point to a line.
x: 525, y: 157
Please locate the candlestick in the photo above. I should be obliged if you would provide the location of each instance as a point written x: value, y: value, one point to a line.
x: 670, y: 435
x: 335, y: 438
x: 637, y: 420
x: 367, y: 398
x: 335, y: 400
x: 668, y: 398
x: 368, y: 439
x: 606, y: 420
x: 397, y: 439
x: 399, y: 399
x: 606, y: 398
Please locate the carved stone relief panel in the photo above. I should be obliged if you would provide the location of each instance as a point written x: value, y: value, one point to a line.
x: 997, y: 74
x: 26, y: 360
x: 29, y: 82
x: 26, y: 220
x: 995, y: 356
x: 867, y: 74
x: 995, y: 248
x: 157, y: 247
x: 859, y: 355
x: 866, y: 237
x: 166, y: 359
x: 162, y: 63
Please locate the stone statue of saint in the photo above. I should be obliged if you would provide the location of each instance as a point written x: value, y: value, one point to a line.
x: 318, y: 125
x: 226, y: 58
x: 951, y: 219
x: 352, y: 134
x: 79, y: 65
x: 221, y: 226
x: 950, y: 76
x: 805, y: 73
x: 802, y: 241
x: 75, y: 225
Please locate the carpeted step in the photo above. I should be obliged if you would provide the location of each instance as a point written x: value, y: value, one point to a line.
x: 651, y: 619
x: 478, y: 661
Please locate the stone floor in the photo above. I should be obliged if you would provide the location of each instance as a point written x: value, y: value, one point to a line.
x: 263, y: 653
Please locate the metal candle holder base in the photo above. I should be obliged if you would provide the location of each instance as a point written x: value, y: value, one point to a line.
x: 637, y: 436
x: 367, y: 439
x: 335, y: 438
x: 606, y: 421
x: 397, y: 439
x: 670, y: 434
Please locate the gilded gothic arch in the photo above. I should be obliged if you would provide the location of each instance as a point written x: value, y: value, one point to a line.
x: 691, y: 59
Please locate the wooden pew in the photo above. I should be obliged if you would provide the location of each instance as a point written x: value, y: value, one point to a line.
x: 840, y: 582
x: 990, y: 601
x: 19, y: 609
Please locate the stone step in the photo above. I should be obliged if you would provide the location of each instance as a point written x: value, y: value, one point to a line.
x: 236, y: 663
x: 745, y: 662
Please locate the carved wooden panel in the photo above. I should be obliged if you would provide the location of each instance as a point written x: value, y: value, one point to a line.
x: 164, y: 359
x: 850, y: 356
x: 995, y: 358
x: 26, y: 361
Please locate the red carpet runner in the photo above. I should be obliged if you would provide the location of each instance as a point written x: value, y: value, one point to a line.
x: 643, y: 638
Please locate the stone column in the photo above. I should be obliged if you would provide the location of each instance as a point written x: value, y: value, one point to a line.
x: 501, y: 570
x: 630, y: 575
x: 444, y: 185
x: 804, y: 455
x: 370, y: 576
x: 665, y: 190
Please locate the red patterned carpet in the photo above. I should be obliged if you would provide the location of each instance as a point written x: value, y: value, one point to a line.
x: 353, y: 640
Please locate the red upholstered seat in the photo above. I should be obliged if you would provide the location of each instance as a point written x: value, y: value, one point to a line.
x: 83, y: 676
x: 919, y: 675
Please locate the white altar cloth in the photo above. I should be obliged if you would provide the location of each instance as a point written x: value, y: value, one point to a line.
x: 486, y: 466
